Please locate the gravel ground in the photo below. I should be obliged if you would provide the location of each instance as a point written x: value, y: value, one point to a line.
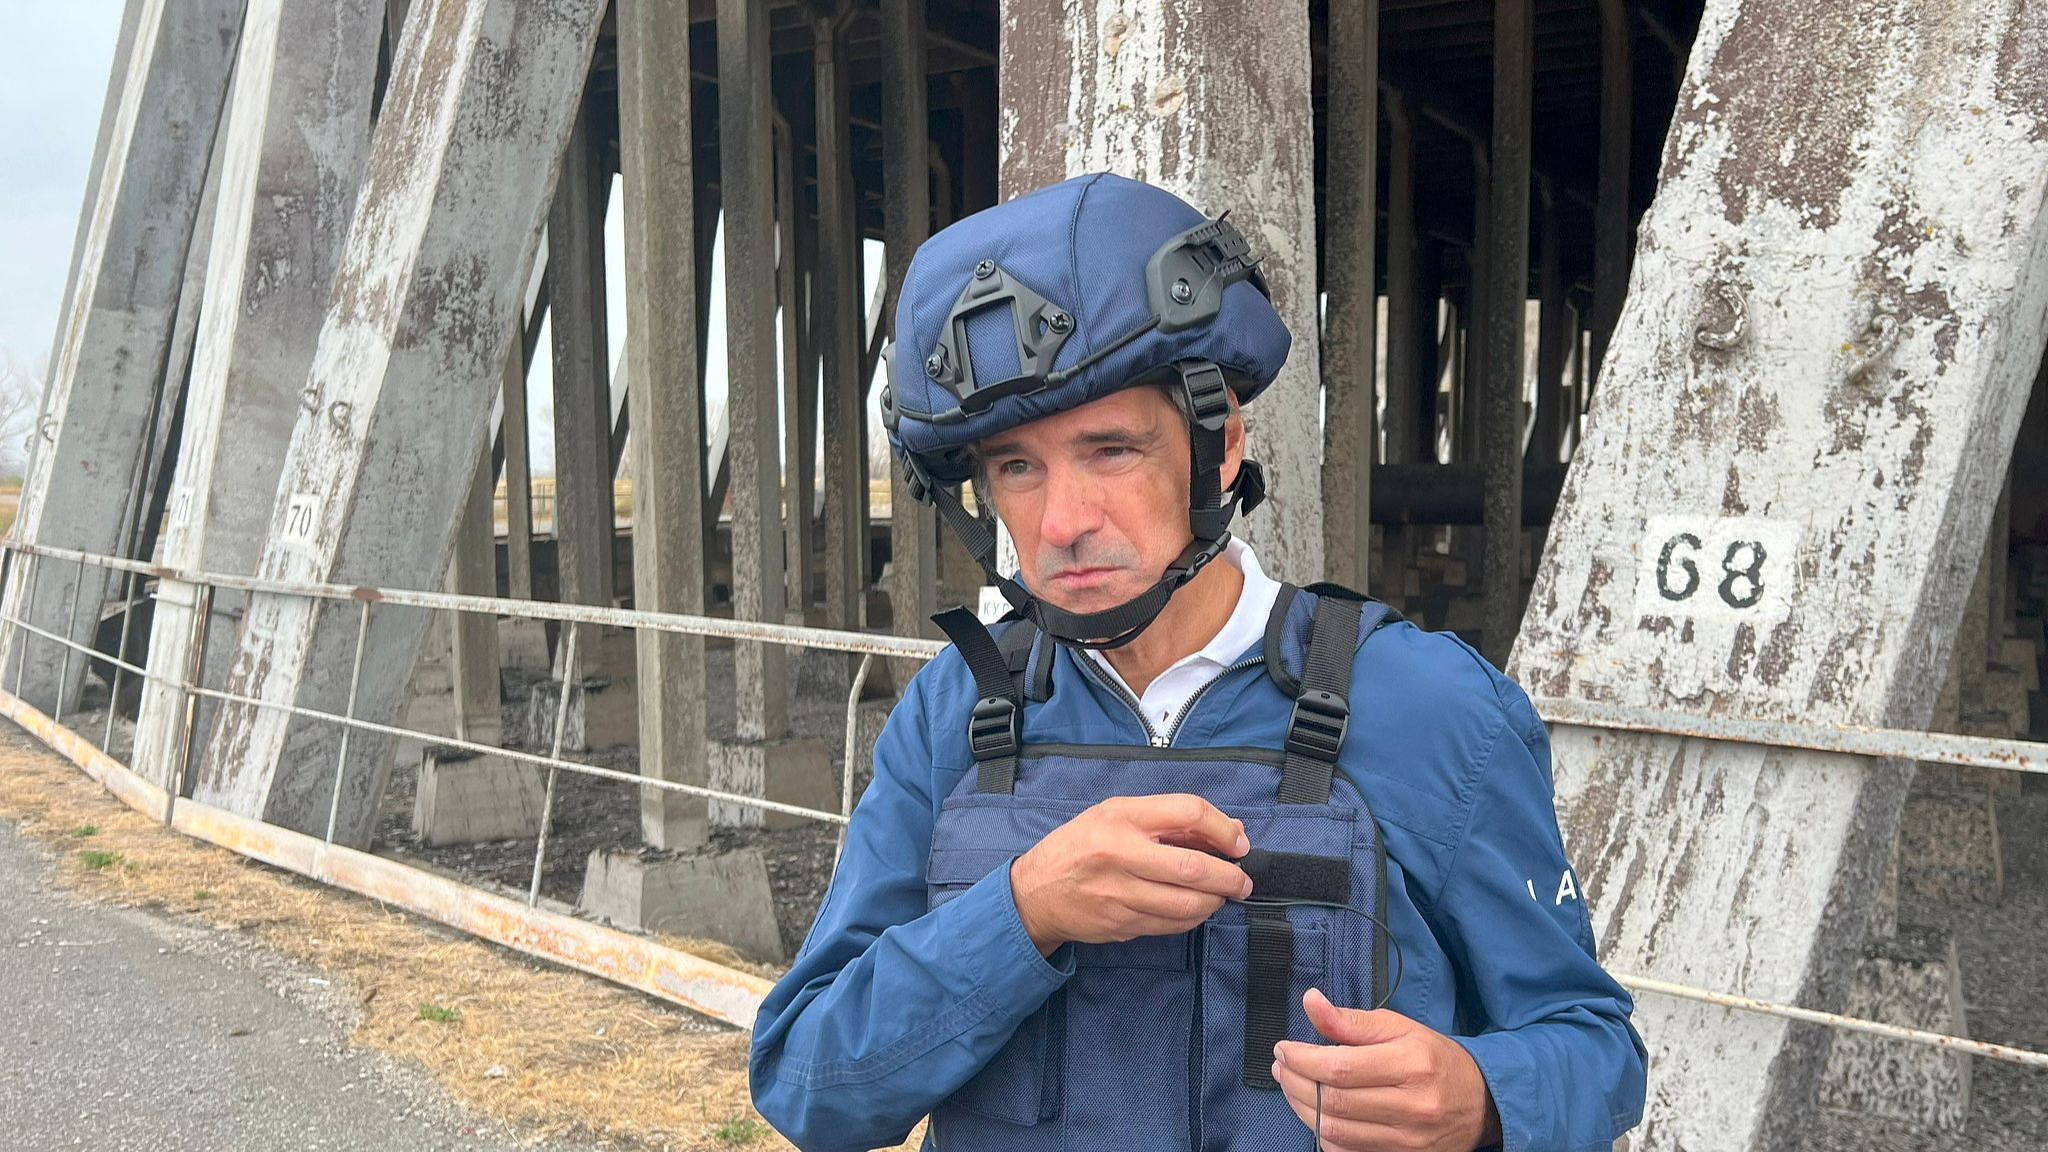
x: 593, y: 813
x: 128, y: 1031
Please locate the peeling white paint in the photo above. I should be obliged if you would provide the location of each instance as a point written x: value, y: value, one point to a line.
x: 1896, y: 314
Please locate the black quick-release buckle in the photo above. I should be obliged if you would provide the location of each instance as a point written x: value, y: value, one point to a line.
x: 1318, y: 724
x: 994, y: 731
x: 1208, y: 394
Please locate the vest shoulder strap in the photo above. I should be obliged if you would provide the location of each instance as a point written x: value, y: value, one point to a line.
x: 994, y: 728
x: 1322, y: 693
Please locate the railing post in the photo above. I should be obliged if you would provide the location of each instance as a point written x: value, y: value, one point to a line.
x: 195, y: 676
x: 35, y: 571
x: 120, y: 662
x: 355, y: 676
x: 547, y: 807
x: 70, y: 631
x: 860, y: 681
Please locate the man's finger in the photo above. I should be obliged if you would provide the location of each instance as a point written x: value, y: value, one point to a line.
x: 1339, y: 1133
x: 1189, y: 819
x: 1170, y: 903
x: 1348, y: 1066
x: 1353, y: 1025
x: 1189, y: 868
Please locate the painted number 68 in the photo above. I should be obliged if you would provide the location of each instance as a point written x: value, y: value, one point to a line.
x: 1740, y: 587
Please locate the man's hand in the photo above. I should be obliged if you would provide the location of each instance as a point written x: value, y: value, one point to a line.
x: 1388, y: 1084
x: 1129, y: 866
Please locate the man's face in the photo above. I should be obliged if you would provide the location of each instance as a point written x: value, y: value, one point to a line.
x: 1096, y: 498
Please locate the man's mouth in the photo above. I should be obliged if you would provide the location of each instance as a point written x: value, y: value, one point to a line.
x: 1086, y: 577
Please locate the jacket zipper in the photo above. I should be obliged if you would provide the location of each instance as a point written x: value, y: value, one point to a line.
x: 1152, y: 735
x: 1189, y: 707
x: 1197, y: 1043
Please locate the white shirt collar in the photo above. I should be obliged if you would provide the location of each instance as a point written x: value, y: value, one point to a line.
x: 1246, y: 626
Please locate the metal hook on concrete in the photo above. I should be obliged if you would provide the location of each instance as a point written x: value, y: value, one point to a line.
x: 338, y: 414
x: 310, y: 399
x: 1880, y: 336
x: 45, y: 425
x: 1734, y: 330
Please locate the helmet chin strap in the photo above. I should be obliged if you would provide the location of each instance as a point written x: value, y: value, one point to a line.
x: 1210, y: 509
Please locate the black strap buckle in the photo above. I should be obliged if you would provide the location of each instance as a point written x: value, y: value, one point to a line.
x: 995, y: 729
x: 1317, y: 727
x: 1208, y: 395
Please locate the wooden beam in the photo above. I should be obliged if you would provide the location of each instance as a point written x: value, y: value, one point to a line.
x: 1506, y: 293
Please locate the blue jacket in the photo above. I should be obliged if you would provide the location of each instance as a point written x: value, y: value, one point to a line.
x: 893, y: 1003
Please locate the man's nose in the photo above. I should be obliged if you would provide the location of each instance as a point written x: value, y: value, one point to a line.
x: 1073, y: 506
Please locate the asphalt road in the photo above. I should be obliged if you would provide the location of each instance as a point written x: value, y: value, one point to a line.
x: 119, y: 1030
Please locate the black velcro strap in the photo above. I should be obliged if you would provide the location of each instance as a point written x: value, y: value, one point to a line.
x: 1297, y: 876
x: 1322, y: 707
x: 994, y: 728
x: 1269, y: 967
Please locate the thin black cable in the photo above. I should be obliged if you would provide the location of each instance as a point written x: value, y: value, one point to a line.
x: 1399, y: 966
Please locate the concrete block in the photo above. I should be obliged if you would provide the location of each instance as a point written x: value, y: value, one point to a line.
x: 1948, y: 845
x: 786, y: 771
x: 2019, y: 654
x: 723, y: 896
x: 523, y: 645
x: 2005, y: 690
x: 603, y: 713
x: 1911, y: 980
x: 465, y: 799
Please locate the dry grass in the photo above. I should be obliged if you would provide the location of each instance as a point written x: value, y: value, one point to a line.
x: 549, y: 1051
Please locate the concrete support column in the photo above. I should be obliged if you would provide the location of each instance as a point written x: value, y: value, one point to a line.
x: 906, y: 212
x: 582, y: 361
x: 428, y: 289
x: 836, y: 323
x: 746, y: 174
x: 1835, y: 540
x: 799, y: 392
x: 473, y: 650
x: 1351, y: 426
x: 296, y: 137
x: 518, y: 475
x: 663, y: 354
x: 1611, y: 239
x: 81, y: 484
x: 1221, y: 116
x: 1551, y: 335
x: 1506, y: 294
x: 1405, y: 329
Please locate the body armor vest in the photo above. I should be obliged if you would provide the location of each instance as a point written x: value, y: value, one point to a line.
x: 1165, y: 1043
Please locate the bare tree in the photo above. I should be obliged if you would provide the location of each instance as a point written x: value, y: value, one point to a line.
x: 21, y: 397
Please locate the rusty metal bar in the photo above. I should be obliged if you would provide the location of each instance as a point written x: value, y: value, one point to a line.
x: 1963, y: 1044
x: 791, y: 635
x: 195, y: 684
x: 120, y: 652
x: 21, y: 647
x: 70, y: 629
x: 547, y: 807
x: 355, y: 678
x: 860, y: 681
x: 1846, y: 739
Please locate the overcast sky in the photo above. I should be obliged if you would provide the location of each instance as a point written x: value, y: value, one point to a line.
x: 54, y: 61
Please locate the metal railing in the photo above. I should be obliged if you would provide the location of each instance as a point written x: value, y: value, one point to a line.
x: 2008, y: 755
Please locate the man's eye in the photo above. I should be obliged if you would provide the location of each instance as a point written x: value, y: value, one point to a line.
x: 1115, y: 451
x: 1012, y: 468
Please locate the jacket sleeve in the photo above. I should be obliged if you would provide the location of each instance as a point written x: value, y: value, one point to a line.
x: 1553, y: 1038
x: 889, y: 1008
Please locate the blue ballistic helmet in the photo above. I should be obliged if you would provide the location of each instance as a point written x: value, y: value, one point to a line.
x: 1056, y: 298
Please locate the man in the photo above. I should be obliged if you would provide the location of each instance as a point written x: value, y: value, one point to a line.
x: 1181, y: 857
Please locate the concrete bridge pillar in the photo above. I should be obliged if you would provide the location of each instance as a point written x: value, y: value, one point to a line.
x: 1802, y: 425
